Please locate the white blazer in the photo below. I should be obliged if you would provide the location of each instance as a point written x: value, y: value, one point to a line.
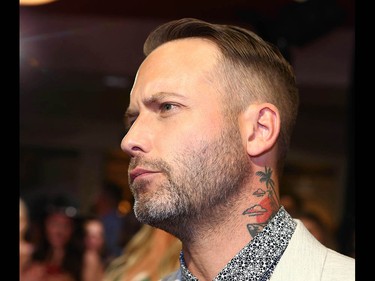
x: 306, y: 259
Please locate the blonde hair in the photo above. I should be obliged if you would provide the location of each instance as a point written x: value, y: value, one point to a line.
x: 137, y: 249
x: 23, y: 207
x: 24, y: 217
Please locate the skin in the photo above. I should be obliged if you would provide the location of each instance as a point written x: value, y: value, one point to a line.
x: 205, y: 179
x: 59, y: 229
x: 94, y: 239
x: 93, y: 269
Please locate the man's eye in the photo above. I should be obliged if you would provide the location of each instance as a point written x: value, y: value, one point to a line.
x: 166, y: 106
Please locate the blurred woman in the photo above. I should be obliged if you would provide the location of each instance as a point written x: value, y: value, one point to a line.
x: 95, y: 255
x: 58, y: 255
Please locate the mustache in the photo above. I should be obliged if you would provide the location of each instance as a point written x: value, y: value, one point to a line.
x: 151, y: 164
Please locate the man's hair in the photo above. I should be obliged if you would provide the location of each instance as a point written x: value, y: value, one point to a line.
x: 251, y: 70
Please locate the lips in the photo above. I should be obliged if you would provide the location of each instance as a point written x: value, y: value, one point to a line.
x: 139, y: 172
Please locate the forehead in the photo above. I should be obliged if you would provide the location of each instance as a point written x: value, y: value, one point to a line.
x: 176, y: 65
x: 94, y: 225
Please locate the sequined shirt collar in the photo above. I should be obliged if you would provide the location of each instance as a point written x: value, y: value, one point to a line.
x: 257, y: 260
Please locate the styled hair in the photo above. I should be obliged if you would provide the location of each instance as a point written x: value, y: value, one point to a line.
x: 250, y: 69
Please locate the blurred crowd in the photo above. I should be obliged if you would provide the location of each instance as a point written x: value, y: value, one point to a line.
x: 57, y: 243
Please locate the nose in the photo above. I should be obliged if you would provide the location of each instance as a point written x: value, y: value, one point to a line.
x: 136, y: 140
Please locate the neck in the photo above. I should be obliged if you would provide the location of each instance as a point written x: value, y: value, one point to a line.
x: 234, y: 230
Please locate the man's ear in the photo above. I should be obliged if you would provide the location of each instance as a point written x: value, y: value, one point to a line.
x: 261, y: 127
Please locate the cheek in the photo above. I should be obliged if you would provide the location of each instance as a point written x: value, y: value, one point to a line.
x: 181, y: 142
x: 199, y: 128
x: 187, y: 132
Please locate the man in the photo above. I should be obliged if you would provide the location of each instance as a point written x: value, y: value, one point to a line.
x: 211, y: 112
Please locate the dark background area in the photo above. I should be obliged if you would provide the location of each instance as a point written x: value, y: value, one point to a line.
x: 78, y: 59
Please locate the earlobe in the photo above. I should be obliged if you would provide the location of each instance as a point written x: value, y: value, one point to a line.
x: 263, y: 128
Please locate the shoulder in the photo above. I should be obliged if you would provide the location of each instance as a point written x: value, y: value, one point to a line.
x: 338, y: 267
x: 305, y: 258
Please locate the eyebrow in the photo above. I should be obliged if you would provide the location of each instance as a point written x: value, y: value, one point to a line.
x: 160, y: 96
x: 151, y: 100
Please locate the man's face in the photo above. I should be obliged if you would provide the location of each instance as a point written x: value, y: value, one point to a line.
x: 186, y: 158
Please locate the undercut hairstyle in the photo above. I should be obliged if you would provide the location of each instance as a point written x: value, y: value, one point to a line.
x: 250, y: 69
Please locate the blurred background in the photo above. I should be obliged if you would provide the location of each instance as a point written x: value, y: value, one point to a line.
x: 78, y: 59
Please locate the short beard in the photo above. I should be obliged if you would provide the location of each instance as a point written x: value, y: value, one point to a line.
x: 197, y: 193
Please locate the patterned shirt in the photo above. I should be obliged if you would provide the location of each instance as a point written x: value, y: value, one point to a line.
x: 257, y: 260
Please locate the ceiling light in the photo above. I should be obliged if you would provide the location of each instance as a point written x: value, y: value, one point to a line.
x: 35, y: 2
